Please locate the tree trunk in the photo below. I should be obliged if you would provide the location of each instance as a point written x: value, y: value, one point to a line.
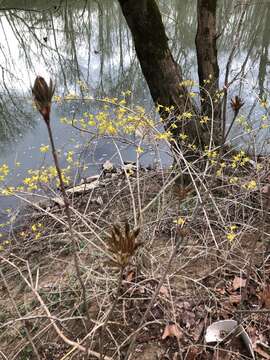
x: 264, y: 51
x: 162, y: 73
x: 208, y: 69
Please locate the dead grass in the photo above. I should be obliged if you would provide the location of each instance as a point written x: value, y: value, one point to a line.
x: 198, y: 286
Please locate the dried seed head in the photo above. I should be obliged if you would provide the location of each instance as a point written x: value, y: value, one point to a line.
x: 43, y: 94
x: 123, y: 244
x: 237, y: 103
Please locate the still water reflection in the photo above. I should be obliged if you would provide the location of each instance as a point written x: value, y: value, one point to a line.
x: 88, y: 42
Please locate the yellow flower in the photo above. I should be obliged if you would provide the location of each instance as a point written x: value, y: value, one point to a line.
x: 37, y: 236
x: 4, y: 169
x: 233, y: 180
x: 183, y: 136
x: 139, y: 150
x: 263, y: 103
x: 91, y: 123
x: 180, y: 221
x: 164, y: 136
x: 219, y: 172
x: 126, y: 93
x: 8, y: 191
x: 44, y: 148
x: 57, y: 99
x: 192, y: 146
x: 211, y: 154
x: 204, y: 120
x: 69, y: 157
x: 187, y: 115
x: 187, y: 83
x: 231, y: 236
x: 251, y: 185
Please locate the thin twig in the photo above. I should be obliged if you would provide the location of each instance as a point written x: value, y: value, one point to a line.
x: 103, y: 328
x: 153, y: 299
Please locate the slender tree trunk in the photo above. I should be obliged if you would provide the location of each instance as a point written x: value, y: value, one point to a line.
x: 208, y: 69
x: 162, y: 73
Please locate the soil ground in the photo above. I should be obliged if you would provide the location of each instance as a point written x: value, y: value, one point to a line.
x: 210, y: 278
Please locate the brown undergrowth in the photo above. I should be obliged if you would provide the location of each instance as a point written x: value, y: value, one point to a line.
x: 203, y: 258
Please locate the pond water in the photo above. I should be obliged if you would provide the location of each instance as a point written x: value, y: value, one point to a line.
x: 86, y: 48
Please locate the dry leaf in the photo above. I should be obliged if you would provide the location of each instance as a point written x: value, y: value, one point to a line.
x: 221, y: 291
x: 264, y: 354
x: 172, y: 330
x: 239, y: 283
x: 192, y: 353
x: 130, y: 276
x: 265, y: 297
x: 265, y: 189
x: 235, y: 299
x: 164, y: 291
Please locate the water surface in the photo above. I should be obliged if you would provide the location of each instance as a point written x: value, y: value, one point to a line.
x: 88, y: 42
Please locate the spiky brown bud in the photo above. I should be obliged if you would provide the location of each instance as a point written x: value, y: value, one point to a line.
x: 43, y: 94
x: 237, y: 103
x: 123, y: 244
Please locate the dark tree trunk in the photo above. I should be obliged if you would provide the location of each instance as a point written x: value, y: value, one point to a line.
x: 162, y: 73
x: 264, y: 51
x: 208, y: 69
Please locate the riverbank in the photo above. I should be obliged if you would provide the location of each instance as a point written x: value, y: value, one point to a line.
x: 202, y: 257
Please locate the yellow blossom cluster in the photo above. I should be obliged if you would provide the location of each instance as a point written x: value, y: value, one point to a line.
x: 115, y: 119
x: 218, y: 96
x: 239, y: 159
x: 186, y: 115
x: 220, y: 170
x: 3, y: 242
x: 187, y: 83
x: 241, y: 120
x: 44, y: 148
x: 69, y: 156
x: 183, y: 136
x: 167, y: 135
x: 204, y: 120
x: 4, y: 171
x: 231, y: 233
x: 250, y: 185
x: 44, y: 176
x: 36, y: 229
x: 208, y: 81
x: 212, y: 155
x: 180, y: 221
x: 9, y: 190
